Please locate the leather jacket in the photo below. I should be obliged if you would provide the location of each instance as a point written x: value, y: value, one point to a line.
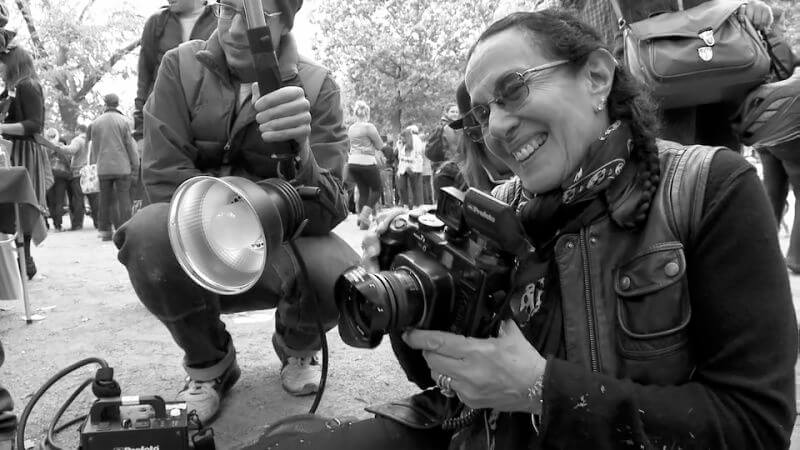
x: 632, y: 321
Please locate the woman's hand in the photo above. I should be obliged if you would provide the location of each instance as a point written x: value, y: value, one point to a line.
x: 371, y: 244
x: 759, y: 13
x: 486, y: 373
x: 283, y: 115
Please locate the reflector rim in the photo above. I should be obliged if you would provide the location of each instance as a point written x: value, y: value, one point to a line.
x: 179, y: 250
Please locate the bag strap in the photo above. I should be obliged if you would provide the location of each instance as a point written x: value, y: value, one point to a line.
x: 686, y: 178
x: 621, y: 19
x: 618, y: 12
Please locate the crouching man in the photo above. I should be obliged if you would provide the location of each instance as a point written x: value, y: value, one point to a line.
x: 202, y: 119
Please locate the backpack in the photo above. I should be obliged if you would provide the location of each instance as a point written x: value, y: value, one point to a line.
x: 436, y: 145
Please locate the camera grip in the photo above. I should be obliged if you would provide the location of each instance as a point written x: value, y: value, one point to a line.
x: 412, y: 362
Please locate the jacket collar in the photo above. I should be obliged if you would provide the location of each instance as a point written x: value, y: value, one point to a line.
x: 112, y: 109
x: 212, y: 57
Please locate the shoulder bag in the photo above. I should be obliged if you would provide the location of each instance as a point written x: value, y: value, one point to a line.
x: 701, y: 55
x: 90, y: 183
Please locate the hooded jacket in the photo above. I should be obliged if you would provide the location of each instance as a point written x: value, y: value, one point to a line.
x: 204, y: 131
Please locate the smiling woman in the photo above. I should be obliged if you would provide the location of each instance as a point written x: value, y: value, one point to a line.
x: 631, y: 323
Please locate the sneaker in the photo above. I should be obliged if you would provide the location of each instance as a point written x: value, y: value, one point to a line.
x: 204, y: 396
x: 300, y: 376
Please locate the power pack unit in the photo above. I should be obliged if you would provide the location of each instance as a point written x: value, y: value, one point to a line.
x: 160, y: 427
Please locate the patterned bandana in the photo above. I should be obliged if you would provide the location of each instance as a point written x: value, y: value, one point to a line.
x: 544, y: 215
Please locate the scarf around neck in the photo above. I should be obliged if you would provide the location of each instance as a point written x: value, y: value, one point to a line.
x: 605, y: 175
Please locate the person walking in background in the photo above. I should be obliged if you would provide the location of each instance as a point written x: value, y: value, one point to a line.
x: 781, y: 165
x: 180, y: 21
x: 388, y: 170
x: 77, y: 152
x: 117, y: 165
x: 409, y: 170
x: 23, y: 100
x: 59, y: 164
x: 442, y: 143
x: 427, y: 172
x: 362, y: 166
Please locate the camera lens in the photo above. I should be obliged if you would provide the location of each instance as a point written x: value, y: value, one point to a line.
x: 373, y: 304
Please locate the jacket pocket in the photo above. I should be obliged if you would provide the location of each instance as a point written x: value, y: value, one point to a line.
x: 653, y: 315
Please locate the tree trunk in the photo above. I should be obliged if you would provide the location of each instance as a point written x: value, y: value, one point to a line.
x: 397, y: 113
x: 69, y: 112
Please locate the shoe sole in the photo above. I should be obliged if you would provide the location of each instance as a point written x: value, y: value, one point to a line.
x: 308, y: 389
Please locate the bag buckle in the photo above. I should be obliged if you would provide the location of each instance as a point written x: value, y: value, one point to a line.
x: 707, y: 36
x: 706, y: 53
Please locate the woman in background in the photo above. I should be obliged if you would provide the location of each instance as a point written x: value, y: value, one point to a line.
x: 24, y: 99
x: 409, y: 170
x: 362, y: 167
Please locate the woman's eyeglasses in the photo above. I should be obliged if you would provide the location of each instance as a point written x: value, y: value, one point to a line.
x: 512, y: 90
x: 228, y: 12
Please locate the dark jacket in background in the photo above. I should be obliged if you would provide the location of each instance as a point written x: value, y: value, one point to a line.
x: 162, y: 32
x: 112, y: 145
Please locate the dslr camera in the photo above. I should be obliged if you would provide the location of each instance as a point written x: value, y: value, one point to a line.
x: 448, y: 271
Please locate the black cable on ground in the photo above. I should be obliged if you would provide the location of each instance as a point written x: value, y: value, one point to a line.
x: 23, y: 418
x: 50, y: 439
x: 322, y: 338
x: 72, y: 422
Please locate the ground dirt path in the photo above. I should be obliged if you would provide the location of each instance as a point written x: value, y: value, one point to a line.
x: 90, y: 309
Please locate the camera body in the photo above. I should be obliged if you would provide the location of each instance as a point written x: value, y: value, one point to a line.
x: 447, y: 271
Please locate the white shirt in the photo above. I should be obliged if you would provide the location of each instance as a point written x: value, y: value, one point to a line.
x: 187, y: 23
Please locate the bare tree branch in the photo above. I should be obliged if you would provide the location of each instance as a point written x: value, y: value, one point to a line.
x: 91, y: 80
x: 85, y: 10
x: 24, y: 8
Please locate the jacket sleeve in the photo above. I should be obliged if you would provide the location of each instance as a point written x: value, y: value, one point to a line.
x: 169, y: 155
x: 744, y: 338
x: 144, y: 85
x: 323, y: 168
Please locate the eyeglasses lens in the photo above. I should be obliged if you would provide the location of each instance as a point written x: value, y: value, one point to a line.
x: 513, y: 89
x: 223, y: 11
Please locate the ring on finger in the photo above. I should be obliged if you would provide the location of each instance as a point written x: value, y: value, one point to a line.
x: 443, y: 382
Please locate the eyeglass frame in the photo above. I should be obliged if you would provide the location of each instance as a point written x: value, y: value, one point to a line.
x: 216, y: 7
x: 469, y: 131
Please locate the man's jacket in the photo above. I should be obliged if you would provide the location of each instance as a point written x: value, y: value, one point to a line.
x: 163, y: 32
x: 112, y: 146
x: 206, y: 132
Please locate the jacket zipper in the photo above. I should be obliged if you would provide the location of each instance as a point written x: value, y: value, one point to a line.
x: 226, y: 151
x: 587, y: 297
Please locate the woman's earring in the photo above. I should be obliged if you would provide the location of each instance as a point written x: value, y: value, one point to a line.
x: 600, y: 106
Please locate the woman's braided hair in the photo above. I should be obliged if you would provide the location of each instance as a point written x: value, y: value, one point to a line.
x: 561, y: 35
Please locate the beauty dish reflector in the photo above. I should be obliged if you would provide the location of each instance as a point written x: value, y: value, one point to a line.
x: 223, y: 230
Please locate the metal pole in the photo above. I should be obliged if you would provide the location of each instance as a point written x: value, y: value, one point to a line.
x: 23, y: 274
